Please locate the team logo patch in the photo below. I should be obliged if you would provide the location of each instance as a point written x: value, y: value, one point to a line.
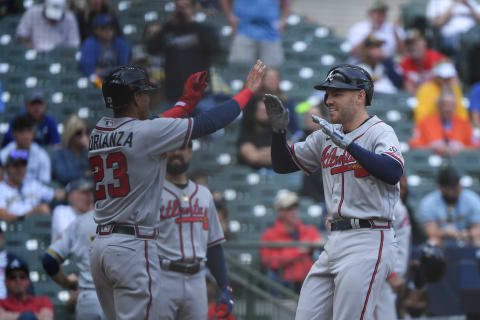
x: 109, y: 123
x: 330, y: 76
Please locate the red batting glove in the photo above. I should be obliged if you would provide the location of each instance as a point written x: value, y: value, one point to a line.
x: 192, y: 93
x: 224, y: 304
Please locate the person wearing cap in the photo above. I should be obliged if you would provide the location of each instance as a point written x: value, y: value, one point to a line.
x: 446, y: 133
x: 445, y: 76
x: 451, y: 213
x: 104, y: 50
x: 417, y: 65
x: 290, y: 265
x: 87, y: 14
x: 6, y: 256
x: 382, y: 69
x: 46, y: 26
x: 453, y: 18
x: 79, y: 201
x: 20, y: 197
x: 20, y: 304
x: 71, y: 161
x: 378, y: 26
x: 39, y: 166
x: 46, y: 132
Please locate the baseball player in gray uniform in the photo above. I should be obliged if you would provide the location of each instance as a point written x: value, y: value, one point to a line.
x: 361, y: 166
x: 127, y: 159
x: 190, y: 236
x: 386, y: 303
x: 74, y: 242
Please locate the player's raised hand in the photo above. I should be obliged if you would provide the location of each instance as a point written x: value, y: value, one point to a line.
x: 278, y: 115
x: 224, y: 303
x: 255, y: 76
x: 337, y: 137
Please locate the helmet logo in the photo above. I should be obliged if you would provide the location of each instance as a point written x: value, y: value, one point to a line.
x: 330, y: 76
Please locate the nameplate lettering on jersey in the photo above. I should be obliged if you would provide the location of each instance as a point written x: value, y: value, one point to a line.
x: 173, y: 210
x: 110, y: 139
x: 341, y: 163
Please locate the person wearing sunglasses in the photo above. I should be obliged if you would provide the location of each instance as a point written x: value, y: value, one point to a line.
x: 39, y: 164
x: 71, y: 161
x: 20, y: 304
x: 20, y: 197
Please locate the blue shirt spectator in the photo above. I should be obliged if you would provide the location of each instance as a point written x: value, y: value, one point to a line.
x: 258, y: 19
x: 451, y: 213
x: 474, y: 108
x: 46, y: 132
x: 71, y: 162
x: 103, y: 51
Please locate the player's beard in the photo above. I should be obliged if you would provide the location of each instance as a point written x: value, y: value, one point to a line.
x: 176, y: 169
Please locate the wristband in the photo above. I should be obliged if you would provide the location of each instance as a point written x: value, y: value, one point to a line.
x: 243, y: 97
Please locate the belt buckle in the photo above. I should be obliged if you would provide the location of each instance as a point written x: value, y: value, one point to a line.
x: 101, y: 229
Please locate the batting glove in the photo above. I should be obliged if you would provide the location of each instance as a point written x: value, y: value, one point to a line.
x: 277, y: 114
x: 337, y: 137
x: 224, y: 303
x: 193, y: 90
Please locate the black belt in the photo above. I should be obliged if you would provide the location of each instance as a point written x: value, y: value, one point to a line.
x: 182, y: 267
x: 130, y: 230
x: 348, y: 224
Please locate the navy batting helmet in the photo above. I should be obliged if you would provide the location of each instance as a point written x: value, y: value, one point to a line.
x: 121, y: 84
x: 349, y: 77
x: 432, y: 263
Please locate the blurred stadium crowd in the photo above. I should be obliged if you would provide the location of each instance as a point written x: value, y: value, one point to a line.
x: 54, y: 54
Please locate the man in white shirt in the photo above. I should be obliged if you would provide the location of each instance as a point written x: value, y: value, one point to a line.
x: 80, y: 200
x: 19, y: 197
x: 453, y: 17
x: 378, y: 26
x: 46, y: 26
x: 39, y: 165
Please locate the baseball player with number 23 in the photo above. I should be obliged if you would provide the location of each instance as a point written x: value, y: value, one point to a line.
x: 361, y: 164
x: 127, y: 159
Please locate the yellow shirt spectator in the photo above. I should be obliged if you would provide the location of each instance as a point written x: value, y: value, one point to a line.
x: 429, y: 92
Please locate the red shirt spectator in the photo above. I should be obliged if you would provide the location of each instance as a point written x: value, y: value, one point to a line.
x: 417, y: 65
x: 294, y: 262
x: 18, y: 301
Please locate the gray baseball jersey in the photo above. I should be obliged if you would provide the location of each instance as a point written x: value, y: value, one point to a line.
x: 127, y: 159
x: 189, y: 222
x: 75, y: 242
x: 350, y: 191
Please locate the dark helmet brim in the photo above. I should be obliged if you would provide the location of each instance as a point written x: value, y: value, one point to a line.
x: 335, y: 84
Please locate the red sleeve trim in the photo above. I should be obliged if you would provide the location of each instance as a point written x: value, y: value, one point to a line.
x: 243, y: 97
x: 294, y: 157
x: 175, y: 112
x: 215, y: 242
x: 391, y: 154
x: 189, y: 132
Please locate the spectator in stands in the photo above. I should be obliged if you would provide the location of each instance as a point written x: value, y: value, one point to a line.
x: 271, y: 85
x: 71, y: 162
x: 19, y: 197
x: 152, y: 63
x: 93, y: 9
x: 222, y: 210
x: 103, y: 51
x: 258, y: 30
x: 453, y: 18
x: 80, y: 200
x: 188, y: 47
x: 11, y: 7
x: 46, y: 26
x: 20, y: 304
x: 312, y: 185
x: 474, y: 107
x: 418, y: 236
x: 446, y: 133
x: 6, y: 257
x: 39, y: 166
x: 377, y: 25
x: 451, y: 213
x: 445, y: 76
x: 46, y: 132
x: 289, y: 265
x: 383, y: 69
x: 417, y: 65
x: 253, y: 144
